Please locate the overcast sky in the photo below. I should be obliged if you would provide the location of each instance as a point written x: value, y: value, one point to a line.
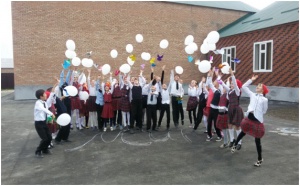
x: 6, y: 25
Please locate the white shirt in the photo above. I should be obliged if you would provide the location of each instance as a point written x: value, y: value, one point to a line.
x: 193, y: 92
x: 204, y: 90
x: 92, y: 89
x: 258, y: 103
x: 211, y: 85
x: 165, y: 96
x: 40, y: 112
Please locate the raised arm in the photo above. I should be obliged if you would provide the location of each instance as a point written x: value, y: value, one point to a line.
x: 236, y: 88
x: 89, y: 78
x: 245, y: 85
x: 209, y: 80
x: 162, y: 74
x: 68, y: 77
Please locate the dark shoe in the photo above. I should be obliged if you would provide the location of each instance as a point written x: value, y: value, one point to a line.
x: 258, y: 163
x: 182, y: 122
x: 231, y: 143
x: 66, y: 140
x: 47, y: 152
x: 77, y: 128
x: 154, y: 129
x: 148, y: 130
x: 137, y: 128
x: 168, y: 128
x: 142, y: 130
x: 233, y: 149
x: 131, y: 131
x: 38, y: 154
x: 238, y: 147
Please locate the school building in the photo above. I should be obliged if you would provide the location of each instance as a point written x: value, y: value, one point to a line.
x: 41, y: 29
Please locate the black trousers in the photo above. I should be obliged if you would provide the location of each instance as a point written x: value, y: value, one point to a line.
x: 175, y: 110
x: 164, y: 108
x: 194, y: 115
x: 199, y: 117
x: 181, y: 111
x: 99, y: 109
x: 213, y: 116
x: 136, y: 113
x: 63, y: 133
x: 117, y: 113
x: 151, y: 115
x: 44, y: 133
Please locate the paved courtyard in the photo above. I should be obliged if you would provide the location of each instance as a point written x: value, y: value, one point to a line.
x: 176, y: 157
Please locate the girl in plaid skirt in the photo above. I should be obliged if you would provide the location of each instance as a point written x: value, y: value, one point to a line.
x: 222, y: 121
x: 235, y: 112
x: 192, y: 102
x: 125, y: 103
x: 253, y: 123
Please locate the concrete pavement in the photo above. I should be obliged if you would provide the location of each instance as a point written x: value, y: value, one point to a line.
x: 178, y: 157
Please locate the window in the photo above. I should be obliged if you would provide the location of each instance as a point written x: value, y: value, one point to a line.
x: 229, y: 56
x: 263, y: 56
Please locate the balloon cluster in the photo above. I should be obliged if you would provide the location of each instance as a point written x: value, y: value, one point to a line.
x: 71, y: 55
x: 209, y: 43
x: 190, y: 47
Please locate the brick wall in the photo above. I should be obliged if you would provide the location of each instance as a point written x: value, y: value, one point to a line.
x: 285, y: 38
x: 40, y: 30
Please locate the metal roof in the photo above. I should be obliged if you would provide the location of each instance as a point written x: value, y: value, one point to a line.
x: 231, y: 5
x: 279, y: 12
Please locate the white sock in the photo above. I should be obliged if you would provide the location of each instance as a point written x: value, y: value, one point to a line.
x: 225, y: 131
x: 237, y: 134
x: 205, y: 121
x: 231, y: 134
x: 124, y: 118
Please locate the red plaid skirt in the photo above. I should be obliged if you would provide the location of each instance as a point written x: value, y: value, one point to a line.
x: 125, y: 104
x: 192, y: 103
x: 116, y: 102
x: 235, y: 115
x: 91, y: 104
x: 222, y: 121
x: 75, y: 103
x: 83, y: 110
x: 253, y: 128
x: 107, y: 111
x: 206, y: 111
x: 52, y: 127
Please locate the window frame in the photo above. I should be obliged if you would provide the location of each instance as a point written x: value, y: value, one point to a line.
x: 229, y: 55
x: 266, y: 54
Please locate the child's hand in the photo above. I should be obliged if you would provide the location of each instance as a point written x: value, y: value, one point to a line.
x: 254, y: 77
x: 203, y: 79
x: 163, y: 67
x: 230, y: 71
x: 53, y: 116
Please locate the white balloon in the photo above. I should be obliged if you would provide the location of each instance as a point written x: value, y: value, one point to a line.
x: 125, y: 68
x: 189, y: 39
x: 179, y: 70
x: 106, y: 69
x: 76, y: 61
x: 129, y: 48
x: 129, y: 61
x: 204, y: 66
x: 87, y: 62
x: 63, y: 119
x: 212, y: 46
x: 213, y: 37
x: 193, y: 46
x: 70, y: 54
x: 189, y: 49
x: 70, y: 45
x: 204, y: 48
x: 164, y: 44
x: 70, y: 91
x: 114, y: 53
x: 147, y: 56
x: 83, y: 95
x: 225, y: 69
x: 139, y: 38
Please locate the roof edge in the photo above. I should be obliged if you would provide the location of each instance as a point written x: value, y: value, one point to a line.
x: 236, y: 21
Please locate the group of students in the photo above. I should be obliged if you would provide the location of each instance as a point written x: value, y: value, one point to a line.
x: 123, y: 103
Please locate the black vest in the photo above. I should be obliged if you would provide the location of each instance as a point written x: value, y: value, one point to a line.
x: 136, y: 92
x: 216, y: 98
